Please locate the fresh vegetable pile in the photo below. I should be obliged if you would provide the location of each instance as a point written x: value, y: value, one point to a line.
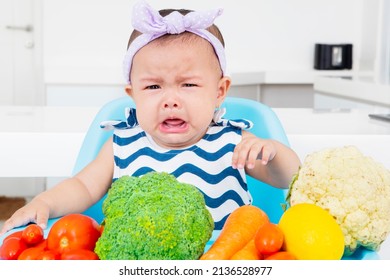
x: 339, y: 200
x: 248, y: 234
x: 353, y: 188
x: 72, y: 237
x: 149, y: 217
x: 304, y: 232
x: 154, y: 217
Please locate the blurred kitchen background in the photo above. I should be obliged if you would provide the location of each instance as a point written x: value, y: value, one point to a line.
x: 69, y: 53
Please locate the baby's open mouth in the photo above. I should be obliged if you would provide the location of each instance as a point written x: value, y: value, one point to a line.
x: 174, y: 122
x: 174, y: 125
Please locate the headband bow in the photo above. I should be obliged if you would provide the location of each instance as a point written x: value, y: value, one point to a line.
x: 152, y: 26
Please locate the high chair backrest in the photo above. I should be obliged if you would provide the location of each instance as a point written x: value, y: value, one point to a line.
x: 266, y: 125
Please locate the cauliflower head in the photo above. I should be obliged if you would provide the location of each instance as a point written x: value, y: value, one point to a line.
x: 354, y: 188
x: 154, y: 217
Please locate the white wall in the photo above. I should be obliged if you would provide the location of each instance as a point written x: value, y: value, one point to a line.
x: 84, y: 41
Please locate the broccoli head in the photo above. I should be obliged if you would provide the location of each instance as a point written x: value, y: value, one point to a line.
x: 354, y: 188
x: 154, y: 217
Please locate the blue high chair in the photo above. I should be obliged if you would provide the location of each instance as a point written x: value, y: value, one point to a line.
x: 266, y: 125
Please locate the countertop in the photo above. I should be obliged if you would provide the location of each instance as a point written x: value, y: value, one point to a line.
x: 41, y: 141
x: 359, y: 88
x: 309, y: 130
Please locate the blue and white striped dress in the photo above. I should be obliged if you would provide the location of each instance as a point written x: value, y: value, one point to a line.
x: 206, y: 165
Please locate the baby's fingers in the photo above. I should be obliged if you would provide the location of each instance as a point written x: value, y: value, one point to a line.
x: 6, y: 227
x: 42, y: 218
x: 264, y: 156
x: 254, y: 154
x: 14, y: 222
x: 240, y: 155
x: 22, y: 217
x: 267, y: 154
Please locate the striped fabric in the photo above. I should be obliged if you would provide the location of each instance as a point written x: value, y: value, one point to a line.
x: 207, y: 164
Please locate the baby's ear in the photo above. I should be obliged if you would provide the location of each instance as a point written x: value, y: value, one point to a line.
x: 129, y: 90
x: 223, y: 87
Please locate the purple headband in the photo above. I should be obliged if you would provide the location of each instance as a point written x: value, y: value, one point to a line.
x: 152, y: 26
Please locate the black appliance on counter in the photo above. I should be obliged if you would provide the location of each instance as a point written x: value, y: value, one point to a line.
x: 333, y: 56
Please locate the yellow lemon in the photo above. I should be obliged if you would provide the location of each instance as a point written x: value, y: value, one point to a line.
x: 311, y: 233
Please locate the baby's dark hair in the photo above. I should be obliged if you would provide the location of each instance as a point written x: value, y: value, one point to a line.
x: 213, y: 29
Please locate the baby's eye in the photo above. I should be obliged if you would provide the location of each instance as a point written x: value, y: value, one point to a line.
x: 153, y: 87
x: 189, y: 85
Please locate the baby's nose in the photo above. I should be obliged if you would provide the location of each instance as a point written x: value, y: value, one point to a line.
x: 171, y: 101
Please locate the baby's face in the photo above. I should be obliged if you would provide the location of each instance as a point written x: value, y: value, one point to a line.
x: 176, y: 86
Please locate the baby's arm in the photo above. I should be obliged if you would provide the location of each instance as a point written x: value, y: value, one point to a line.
x: 267, y: 160
x: 73, y: 195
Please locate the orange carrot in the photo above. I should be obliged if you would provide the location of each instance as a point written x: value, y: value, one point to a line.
x: 249, y: 252
x: 281, y: 255
x: 240, y: 227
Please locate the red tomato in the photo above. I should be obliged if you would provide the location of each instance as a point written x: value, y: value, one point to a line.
x: 79, y: 254
x: 32, y: 234
x: 42, y: 244
x: 12, y: 248
x: 31, y: 253
x: 48, y: 255
x: 73, y: 231
x: 16, y: 234
x: 281, y: 255
x: 269, y: 239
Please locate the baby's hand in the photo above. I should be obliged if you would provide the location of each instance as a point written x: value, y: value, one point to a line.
x: 36, y: 211
x: 252, y: 148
